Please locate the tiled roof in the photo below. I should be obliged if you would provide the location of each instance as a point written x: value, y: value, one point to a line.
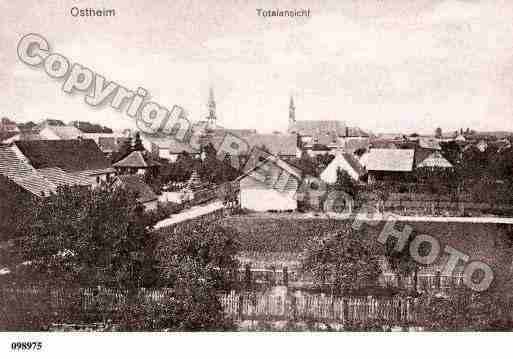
x: 311, y: 128
x: 275, y: 166
x: 18, y: 170
x: 70, y: 155
x: 134, y: 183
x: 95, y: 172
x: 354, y: 162
x: 135, y: 160
x: 388, y: 160
x: 66, y: 132
x: 171, y: 144
x: 61, y: 178
x: 435, y: 159
x: 276, y: 144
x: 340, y: 160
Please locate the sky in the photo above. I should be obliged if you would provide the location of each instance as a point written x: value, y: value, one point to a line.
x: 385, y: 66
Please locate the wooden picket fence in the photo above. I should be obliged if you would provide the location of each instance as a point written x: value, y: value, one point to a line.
x: 237, y: 305
x: 271, y: 275
x: 320, y: 308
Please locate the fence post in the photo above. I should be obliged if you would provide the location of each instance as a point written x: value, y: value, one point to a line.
x: 240, y: 309
x: 272, y: 277
x: 247, y: 275
x: 438, y: 280
x: 293, y: 308
x: 285, y: 276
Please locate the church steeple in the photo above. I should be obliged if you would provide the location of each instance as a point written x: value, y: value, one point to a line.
x: 292, y: 111
x: 211, y: 107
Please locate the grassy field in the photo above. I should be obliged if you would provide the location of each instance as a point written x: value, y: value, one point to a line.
x: 278, y: 233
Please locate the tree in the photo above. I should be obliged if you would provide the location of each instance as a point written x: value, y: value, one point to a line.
x: 212, y: 246
x: 215, y: 170
x: 344, y: 259
x: 102, y: 237
x: 138, y: 146
x: 197, y: 263
x: 503, y: 164
x: 308, y: 166
x: 13, y: 207
x: 438, y: 132
x: 91, y: 237
x: 323, y: 160
x: 452, y: 152
x: 345, y: 183
x: 400, y: 260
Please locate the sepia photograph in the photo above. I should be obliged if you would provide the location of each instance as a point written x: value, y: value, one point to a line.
x: 194, y: 170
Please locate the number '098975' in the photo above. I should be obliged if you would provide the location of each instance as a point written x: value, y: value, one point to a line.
x: 26, y: 345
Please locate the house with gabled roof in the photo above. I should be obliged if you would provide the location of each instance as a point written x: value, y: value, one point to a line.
x: 80, y: 157
x: 15, y: 167
x: 136, y: 162
x: 270, y: 185
x: 388, y: 164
